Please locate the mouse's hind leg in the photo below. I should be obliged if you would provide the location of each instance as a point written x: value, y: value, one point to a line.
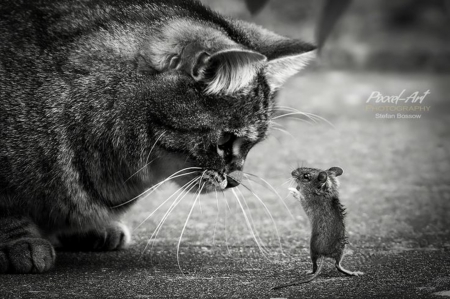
x: 314, y: 259
x: 345, y: 271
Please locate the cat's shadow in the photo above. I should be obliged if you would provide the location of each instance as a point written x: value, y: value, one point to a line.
x: 123, y: 260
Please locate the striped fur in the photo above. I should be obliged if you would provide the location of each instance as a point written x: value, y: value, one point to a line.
x: 101, y: 100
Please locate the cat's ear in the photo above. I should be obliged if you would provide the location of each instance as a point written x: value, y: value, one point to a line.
x: 286, y: 56
x: 279, y: 70
x: 203, y: 52
x: 225, y: 71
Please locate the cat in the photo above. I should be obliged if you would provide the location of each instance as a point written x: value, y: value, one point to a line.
x: 102, y: 100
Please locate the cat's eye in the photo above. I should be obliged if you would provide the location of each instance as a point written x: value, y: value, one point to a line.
x: 307, y: 176
x: 224, y: 139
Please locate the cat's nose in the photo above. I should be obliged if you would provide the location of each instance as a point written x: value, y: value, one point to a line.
x: 231, y: 183
x: 234, y: 178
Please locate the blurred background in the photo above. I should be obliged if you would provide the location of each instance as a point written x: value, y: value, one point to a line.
x: 392, y: 35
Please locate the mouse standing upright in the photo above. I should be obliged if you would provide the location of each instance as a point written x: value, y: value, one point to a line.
x: 317, y: 191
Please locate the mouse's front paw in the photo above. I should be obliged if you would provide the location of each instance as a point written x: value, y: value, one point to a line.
x: 294, y: 192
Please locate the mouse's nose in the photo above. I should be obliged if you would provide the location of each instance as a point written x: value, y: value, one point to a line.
x: 294, y: 173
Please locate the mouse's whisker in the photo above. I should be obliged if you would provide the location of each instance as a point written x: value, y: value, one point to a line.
x: 254, y: 178
x: 249, y: 225
x: 287, y: 182
x: 184, y: 226
x: 291, y: 183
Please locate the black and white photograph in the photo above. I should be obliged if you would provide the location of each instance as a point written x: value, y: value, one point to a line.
x: 224, y: 149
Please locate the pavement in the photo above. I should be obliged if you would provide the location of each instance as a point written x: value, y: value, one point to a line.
x: 242, y: 273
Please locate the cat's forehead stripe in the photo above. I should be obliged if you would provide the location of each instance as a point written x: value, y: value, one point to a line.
x: 250, y: 133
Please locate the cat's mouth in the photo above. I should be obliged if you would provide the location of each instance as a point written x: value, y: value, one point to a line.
x: 208, y: 180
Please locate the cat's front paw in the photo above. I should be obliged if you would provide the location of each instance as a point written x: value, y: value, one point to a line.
x: 114, y: 237
x: 26, y: 255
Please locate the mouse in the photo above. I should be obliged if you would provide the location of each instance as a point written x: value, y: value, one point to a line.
x: 317, y: 191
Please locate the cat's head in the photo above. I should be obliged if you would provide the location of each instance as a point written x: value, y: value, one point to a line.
x: 212, y: 92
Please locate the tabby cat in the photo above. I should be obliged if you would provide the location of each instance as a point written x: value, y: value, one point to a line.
x: 101, y: 100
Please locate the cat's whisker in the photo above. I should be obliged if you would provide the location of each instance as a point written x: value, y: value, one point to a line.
x: 312, y: 116
x: 249, y: 225
x: 285, y: 132
x: 270, y: 215
x: 166, y: 180
x: 292, y: 110
x: 177, y: 200
x: 163, y: 203
x: 226, y: 202
x: 199, y: 201
x: 290, y: 115
x: 297, y: 112
x: 247, y: 175
x: 184, y: 227
x: 321, y: 118
x: 217, y: 219
x: 148, y: 157
x: 225, y: 224
x: 274, y: 123
x: 162, y: 221
x: 251, y: 220
x: 288, y: 108
x: 153, y: 188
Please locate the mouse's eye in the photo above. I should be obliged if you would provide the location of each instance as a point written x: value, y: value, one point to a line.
x: 307, y: 176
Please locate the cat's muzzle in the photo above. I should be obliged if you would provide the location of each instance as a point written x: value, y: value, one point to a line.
x: 215, y: 180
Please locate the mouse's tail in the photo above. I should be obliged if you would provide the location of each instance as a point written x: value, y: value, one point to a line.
x: 296, y: 282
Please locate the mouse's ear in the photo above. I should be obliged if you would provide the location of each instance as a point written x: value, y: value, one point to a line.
x: 336, y: 170
x: 322, y: 177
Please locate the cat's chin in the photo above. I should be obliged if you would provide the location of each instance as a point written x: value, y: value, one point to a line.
x: 204, y: 182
